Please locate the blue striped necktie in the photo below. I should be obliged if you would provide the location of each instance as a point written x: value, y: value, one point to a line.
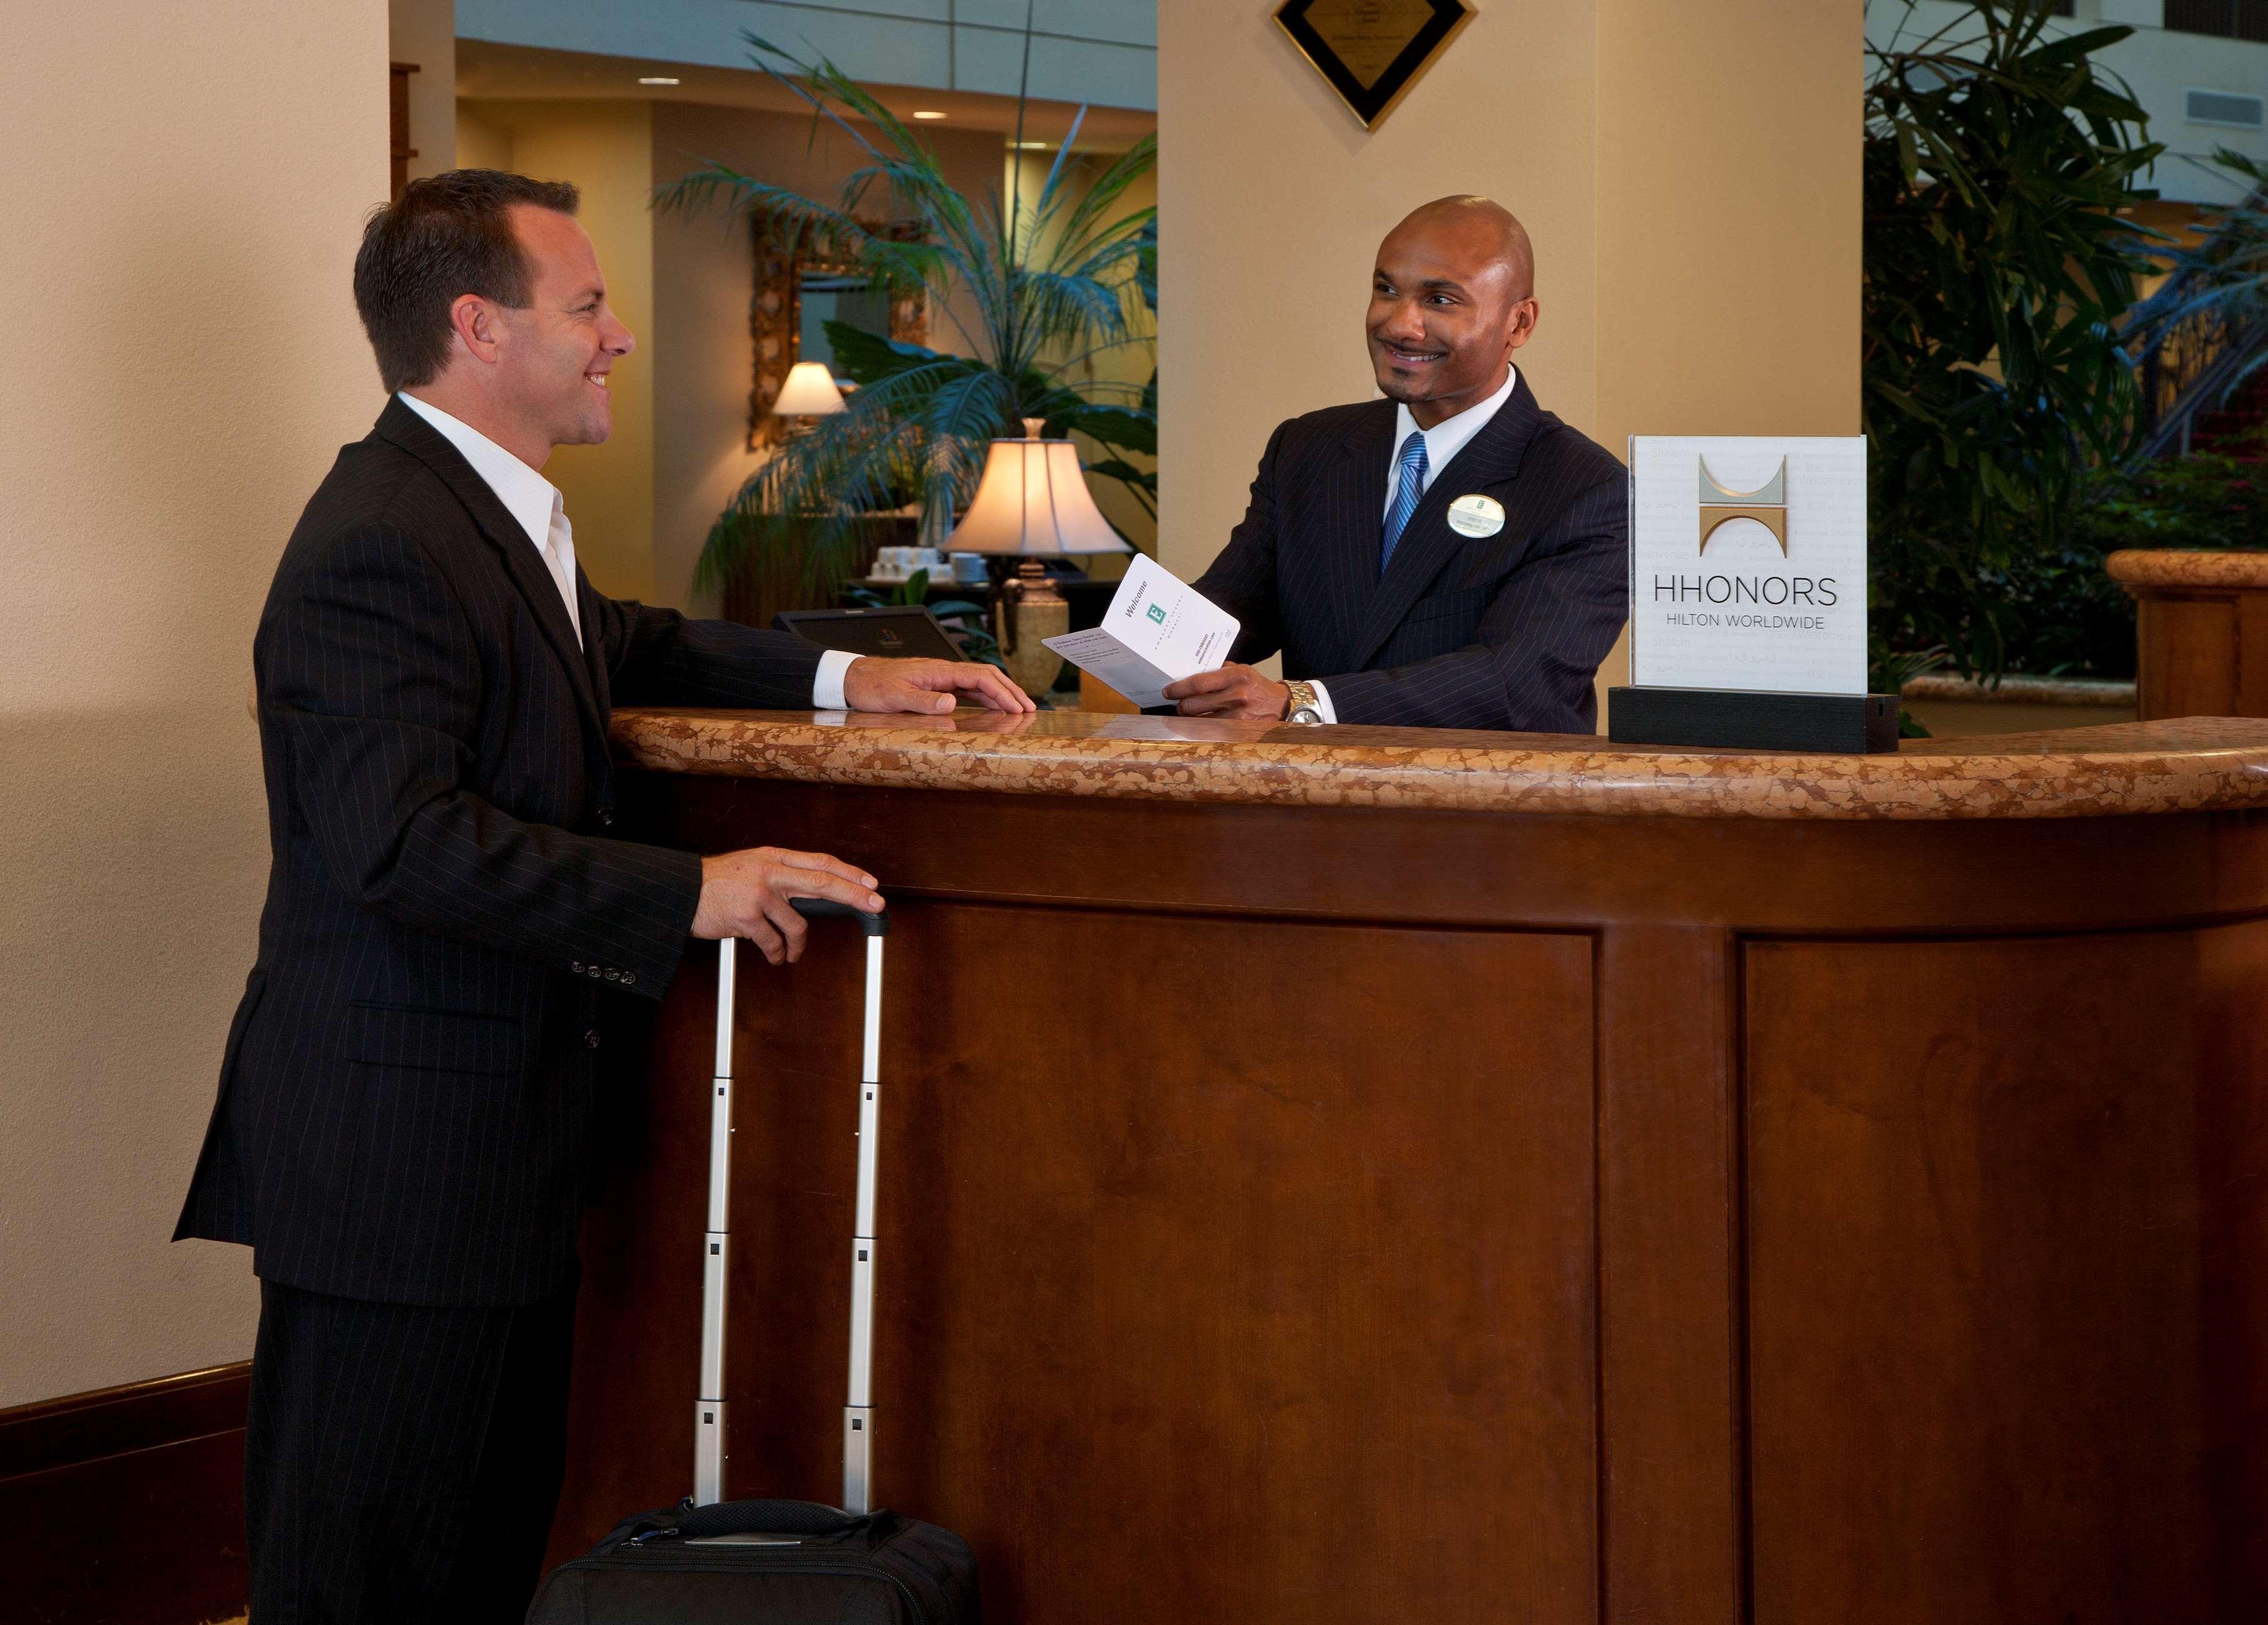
x: 1405, y: 495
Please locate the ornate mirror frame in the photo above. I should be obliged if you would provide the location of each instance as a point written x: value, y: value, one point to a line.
x: 775, y: 315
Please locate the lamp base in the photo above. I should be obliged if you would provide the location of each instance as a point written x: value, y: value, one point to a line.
x: 1032, y: 611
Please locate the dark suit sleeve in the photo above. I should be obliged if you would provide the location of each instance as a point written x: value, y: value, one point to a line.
x: 1243, y: 580
x: 660, y: 656
x: 1537, y: 649
x: 371, y: 684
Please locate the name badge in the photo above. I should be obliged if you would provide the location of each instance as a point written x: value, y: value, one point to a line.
x: 1477, y: 516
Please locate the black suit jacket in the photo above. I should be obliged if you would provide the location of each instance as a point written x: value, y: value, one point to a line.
x: 1502, y: 631
x: 407, y: 1100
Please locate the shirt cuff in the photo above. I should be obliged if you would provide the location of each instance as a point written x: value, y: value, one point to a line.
x: 826, y: 682
x: 1323, y: 702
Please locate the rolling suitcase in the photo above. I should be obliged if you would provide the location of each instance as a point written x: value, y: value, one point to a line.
x: 711, y: 1562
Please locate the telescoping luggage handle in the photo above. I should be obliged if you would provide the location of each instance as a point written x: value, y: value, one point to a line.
x: 857, y: 1411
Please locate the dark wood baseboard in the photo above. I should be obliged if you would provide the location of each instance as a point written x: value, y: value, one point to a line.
x: 127, y: 1504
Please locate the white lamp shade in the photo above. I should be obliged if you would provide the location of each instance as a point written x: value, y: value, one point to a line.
x: 1033, y: 499
x: 808, y: 392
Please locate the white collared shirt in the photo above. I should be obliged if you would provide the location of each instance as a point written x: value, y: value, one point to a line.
x: 1443, y: 441
x: 542, y: 511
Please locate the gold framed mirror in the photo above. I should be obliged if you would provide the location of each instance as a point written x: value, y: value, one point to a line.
x: 796, y: 289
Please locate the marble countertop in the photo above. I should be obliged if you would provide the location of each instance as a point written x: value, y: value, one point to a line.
x: 2127, y: 768
x: 2169, y: 566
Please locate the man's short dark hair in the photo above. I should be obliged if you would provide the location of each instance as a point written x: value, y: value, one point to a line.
x: 445, y: 236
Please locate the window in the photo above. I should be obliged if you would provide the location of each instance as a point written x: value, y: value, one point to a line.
x: 2230, y: 20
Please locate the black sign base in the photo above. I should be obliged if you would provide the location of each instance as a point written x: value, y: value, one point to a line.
x: 1853, y: 724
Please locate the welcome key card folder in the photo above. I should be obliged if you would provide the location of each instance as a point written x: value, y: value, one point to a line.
x: 1158, y: 631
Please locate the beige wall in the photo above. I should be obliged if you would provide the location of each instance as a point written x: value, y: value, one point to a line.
x: 606, y: 148
x: 480, y: 143
x: 1728, y: 223
x: 424, y: 31
x: 1688, y: 169
x: 183, y: 205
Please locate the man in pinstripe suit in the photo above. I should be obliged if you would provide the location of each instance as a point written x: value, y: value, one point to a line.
x: 1452, y: 556
x: 406, y: 1132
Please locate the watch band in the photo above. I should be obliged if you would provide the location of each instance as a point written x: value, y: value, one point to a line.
x: 1302, y: 707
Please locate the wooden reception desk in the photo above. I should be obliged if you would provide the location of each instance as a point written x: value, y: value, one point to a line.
x: 1369, y: 1175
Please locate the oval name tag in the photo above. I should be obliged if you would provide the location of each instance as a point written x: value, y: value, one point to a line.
x: 1477, y: 516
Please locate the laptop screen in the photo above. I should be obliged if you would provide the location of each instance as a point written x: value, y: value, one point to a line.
x: 894, y: 633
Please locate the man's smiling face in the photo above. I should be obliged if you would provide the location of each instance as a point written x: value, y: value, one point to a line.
x: 1450, y: 300
x: 564, y: 344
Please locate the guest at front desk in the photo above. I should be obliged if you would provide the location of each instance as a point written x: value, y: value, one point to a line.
x: 1452, y: 556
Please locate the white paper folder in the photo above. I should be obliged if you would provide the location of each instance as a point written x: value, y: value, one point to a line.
x: 1158, y: 631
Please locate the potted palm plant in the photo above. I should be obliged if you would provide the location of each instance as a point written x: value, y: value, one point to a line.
x: 1054, y: 280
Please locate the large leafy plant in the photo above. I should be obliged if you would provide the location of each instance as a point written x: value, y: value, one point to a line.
x: 1999, y: 157
x: 1053, y: 279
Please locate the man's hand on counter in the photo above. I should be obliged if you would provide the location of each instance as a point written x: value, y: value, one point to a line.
x: 928, y: 686
x: 1230, y: 691
x: 748, y: 893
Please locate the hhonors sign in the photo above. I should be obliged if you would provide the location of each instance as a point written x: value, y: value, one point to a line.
x: 1748, y: 564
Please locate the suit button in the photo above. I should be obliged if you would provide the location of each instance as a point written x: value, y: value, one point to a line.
x: 595, y: 970
x: 576, y: 967
x: 591, y: 1039
x: 606, y: 818
x: 628, y: 976
x: 614, y: 975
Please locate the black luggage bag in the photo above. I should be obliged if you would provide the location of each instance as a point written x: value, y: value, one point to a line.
x: 711, y: 1562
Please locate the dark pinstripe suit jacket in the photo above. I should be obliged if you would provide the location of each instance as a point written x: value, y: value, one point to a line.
x: 407, y: 1104
x: 1502, y: 631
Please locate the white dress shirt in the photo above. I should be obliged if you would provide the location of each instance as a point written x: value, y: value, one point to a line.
x: 542, y: 511
x: 1443, y: 441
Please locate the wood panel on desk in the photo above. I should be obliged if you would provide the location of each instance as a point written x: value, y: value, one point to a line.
x: 1201, y: 1296
x: 2200, y: 652
x: 1685, y: 1317
x: 1476, y: 868
x: 2007, y: 1203
x: 1670, y: 1374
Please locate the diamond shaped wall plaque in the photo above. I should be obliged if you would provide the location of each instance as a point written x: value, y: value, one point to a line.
x: 1372, y: 51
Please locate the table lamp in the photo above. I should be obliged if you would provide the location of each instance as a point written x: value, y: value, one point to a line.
x: 1032, y: 503
x: 808, y: 391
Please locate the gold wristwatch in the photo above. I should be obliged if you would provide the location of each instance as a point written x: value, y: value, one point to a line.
x: 1302, y: 707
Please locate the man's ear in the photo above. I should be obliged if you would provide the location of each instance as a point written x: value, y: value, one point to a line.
x: 473, y: 320
x: 1521, y: 328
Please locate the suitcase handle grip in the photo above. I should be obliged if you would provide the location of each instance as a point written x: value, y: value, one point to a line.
x: 875, y: 924
x: 808, y: 1518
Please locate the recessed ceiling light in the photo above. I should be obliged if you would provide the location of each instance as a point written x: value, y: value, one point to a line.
x: 929, y: 115
x: 1030, y: 146
x: 658, y: 81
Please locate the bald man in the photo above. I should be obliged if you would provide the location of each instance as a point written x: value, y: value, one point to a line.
x: 1451, y: 557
